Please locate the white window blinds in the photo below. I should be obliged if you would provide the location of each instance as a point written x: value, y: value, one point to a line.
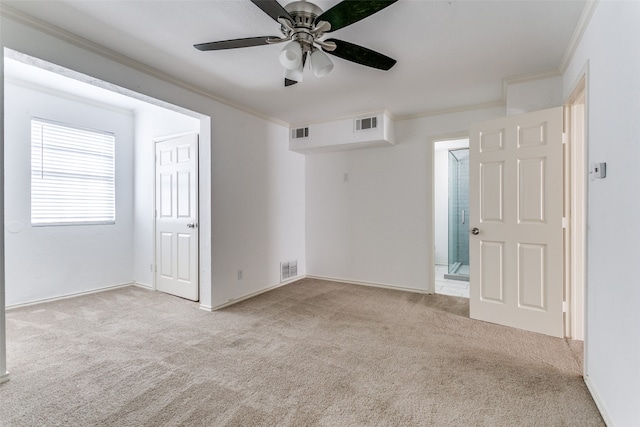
x: 72, y: 175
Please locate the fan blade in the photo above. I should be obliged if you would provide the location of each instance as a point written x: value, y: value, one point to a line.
x: 361, y: 55
x: 273, y: 9
x: 235, y: 43
x: 350, y: 11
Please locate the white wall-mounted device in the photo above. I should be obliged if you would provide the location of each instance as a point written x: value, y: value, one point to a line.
x: 598, y: 171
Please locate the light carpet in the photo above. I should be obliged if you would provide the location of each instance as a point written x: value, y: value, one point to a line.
x: 309, y: 353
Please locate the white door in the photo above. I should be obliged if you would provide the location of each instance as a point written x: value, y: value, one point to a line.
x: 516, y: 202
x: 176, y: 216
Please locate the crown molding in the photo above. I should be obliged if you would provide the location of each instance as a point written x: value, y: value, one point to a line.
x: 61, y: 34
x: 395, y: 118
x: 525, y: 78
x: 462, y: 109
x: 578, y: 32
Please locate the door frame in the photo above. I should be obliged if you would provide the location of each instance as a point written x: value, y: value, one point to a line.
x: 576, y: 183
x: 197, y: 194
x: 431, y: 264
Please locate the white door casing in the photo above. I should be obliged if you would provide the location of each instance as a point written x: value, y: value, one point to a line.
x: 516, y: 204
x: 176, y: 222
x: 575, y: 210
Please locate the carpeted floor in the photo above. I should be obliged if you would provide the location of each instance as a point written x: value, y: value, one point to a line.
x: 309, y: 353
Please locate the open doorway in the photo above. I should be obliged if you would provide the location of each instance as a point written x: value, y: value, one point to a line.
x: 61, y: 260
x: 451, y: 216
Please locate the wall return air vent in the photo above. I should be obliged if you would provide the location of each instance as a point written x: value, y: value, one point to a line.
x: 366, y: 123
x: 288, y: 269
x: 300, y: 133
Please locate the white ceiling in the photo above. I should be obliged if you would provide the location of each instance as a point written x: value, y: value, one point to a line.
x: 450, y: 54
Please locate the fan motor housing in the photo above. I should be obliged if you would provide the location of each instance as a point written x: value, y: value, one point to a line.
x: 304, y: 13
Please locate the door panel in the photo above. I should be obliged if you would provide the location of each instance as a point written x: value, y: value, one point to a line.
x: 492, y: 283
x: 166, y: 255
x: 184, y: 190
x: 166, y: 196
x: 176, y: 221
x: 531, y: 192
x: 531, y: 280
x: 491, y: 178
x: 184, y: 257
x: 516, y: 196
x: 491, y: 140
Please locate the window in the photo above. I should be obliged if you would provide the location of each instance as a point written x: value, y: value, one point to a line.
x: 72, y: 175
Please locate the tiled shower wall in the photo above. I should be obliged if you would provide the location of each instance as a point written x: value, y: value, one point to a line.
x: 459, y: 202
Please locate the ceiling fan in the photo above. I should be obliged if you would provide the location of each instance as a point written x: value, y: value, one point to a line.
x: 303, y: 24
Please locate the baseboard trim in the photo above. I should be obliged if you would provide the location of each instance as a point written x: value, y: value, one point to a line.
x: 370, y: 284
x: 251, y: 295
x: 143, y: 286
x: 206, y: 308
x: 67, y: 296
x: 4, y: 377
x: 599, y: 403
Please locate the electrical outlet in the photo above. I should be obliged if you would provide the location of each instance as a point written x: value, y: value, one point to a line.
x: 239, y: 274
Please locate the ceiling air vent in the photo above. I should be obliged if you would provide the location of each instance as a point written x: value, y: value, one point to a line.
x: 366, y: 123
x: 300, y: 133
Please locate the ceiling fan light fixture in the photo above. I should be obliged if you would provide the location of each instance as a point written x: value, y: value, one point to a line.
x: 320, y: 63
x: 303, y: 26
x: 295, y: 74
x: 291, y: 56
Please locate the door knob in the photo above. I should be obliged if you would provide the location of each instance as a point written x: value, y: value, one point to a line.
x: 475, y: 231
x: 191, y: 225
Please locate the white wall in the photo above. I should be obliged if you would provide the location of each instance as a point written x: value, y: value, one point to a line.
x: 150, y: 122
x: 610, y: 47
x: 376, y: 226
x: 51, y: 261
x: 532, y: 95
x: 258, y: 205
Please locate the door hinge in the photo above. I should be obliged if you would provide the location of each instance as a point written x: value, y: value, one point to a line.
x: 565, y: 222
x: 565, y: 307
x: 565, y: 137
